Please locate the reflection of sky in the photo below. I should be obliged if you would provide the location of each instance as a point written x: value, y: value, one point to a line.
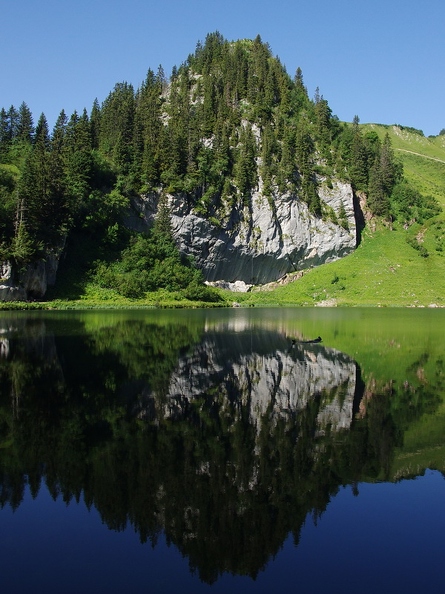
x: 388, y: 539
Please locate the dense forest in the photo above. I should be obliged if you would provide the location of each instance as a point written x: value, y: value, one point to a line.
x: 227, y: 121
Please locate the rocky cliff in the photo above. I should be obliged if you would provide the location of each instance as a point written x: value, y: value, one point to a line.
x: 29, y: 283
x: 263, y: 242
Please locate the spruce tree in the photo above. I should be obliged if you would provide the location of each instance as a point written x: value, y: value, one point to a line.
x: 245, y: 165
x: 78, y: 160
x: 95, y: 117
x: 358, y: 158
x: 59, y: 206
x: 33, y: 192
x: 25, y: 126
x: 378, y: 201
x: 5, y: 136
x: 304, y: 147
x: 13, y: 121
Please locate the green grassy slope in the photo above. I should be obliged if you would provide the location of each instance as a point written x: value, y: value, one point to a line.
x: 385, y: 270
x: 423, y: 158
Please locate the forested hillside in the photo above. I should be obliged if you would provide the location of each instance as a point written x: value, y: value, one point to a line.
x: 226, y: 122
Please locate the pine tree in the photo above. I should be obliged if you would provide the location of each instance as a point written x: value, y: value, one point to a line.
x: 5, y: 137
x: 163, y: 225
x: 268, y: 150
x: 378, y: 201
x: 25, y: 126
x: 391, y: 171
x: 95, y: 117
x: 245, y: 165
x: 13, y: 120
x: 33, y: 192
x: 59, y: 205
x: 116, y: 126
x: 323, y: 116
x: 358, y: 158
x: 300, y: 99
x: 305, y: 148
x: 78, y: 160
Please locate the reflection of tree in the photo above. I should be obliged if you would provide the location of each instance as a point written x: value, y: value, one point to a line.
x: 165, y: 433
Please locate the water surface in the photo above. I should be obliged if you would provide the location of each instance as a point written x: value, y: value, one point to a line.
x: 165, y: 451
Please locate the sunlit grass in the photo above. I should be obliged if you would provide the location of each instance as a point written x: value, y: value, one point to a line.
x: 384, y: 271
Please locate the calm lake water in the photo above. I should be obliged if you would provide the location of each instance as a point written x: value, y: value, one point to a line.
x: 222, y: 451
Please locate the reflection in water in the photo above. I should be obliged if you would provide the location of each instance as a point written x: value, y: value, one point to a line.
x: 271, y: 385
x: 225, y: 439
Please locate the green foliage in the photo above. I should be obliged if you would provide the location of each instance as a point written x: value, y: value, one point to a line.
x: 423, y: 159
x: 409, y: 206
x: 8, y: 203
x: 24, y: 247
x: 153, y: 262
x: 342, y: 217
x: 410, y: 129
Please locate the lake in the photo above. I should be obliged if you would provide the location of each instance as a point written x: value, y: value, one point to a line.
x: 222, y: 450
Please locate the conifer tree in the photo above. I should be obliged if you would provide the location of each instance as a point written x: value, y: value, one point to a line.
x: 268, y: 151
x: 116, y: 127
x: 323, y: 116
x: 33, y: 191
x: 304, y: 147
x: 390, y: 170
x: 300, y: 96
x: 78, y: 160
x: 5, y: 136
x: 245, y: 166
x: 95, y: 117
x: 25, y: 126
x: 13, y: 120
x: 358, y: 160
x: 378, y: 200
x: 58, y: 177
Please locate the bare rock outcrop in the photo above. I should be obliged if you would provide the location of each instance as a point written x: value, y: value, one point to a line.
x: 263, y: 242
x: 29, y: 283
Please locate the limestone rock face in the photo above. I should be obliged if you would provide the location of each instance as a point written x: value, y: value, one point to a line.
x: 29, y: 283
x: 261, y: 243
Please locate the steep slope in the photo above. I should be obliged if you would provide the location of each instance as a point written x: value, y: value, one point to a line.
x: 252, y: 182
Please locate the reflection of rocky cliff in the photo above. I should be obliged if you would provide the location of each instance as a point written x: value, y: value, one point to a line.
x: 267, y: 374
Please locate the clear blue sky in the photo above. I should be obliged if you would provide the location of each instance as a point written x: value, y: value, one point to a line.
x: 382, y: 60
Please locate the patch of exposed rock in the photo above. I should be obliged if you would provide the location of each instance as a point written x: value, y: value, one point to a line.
x: 30, y: 283
x: 261, y: 243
